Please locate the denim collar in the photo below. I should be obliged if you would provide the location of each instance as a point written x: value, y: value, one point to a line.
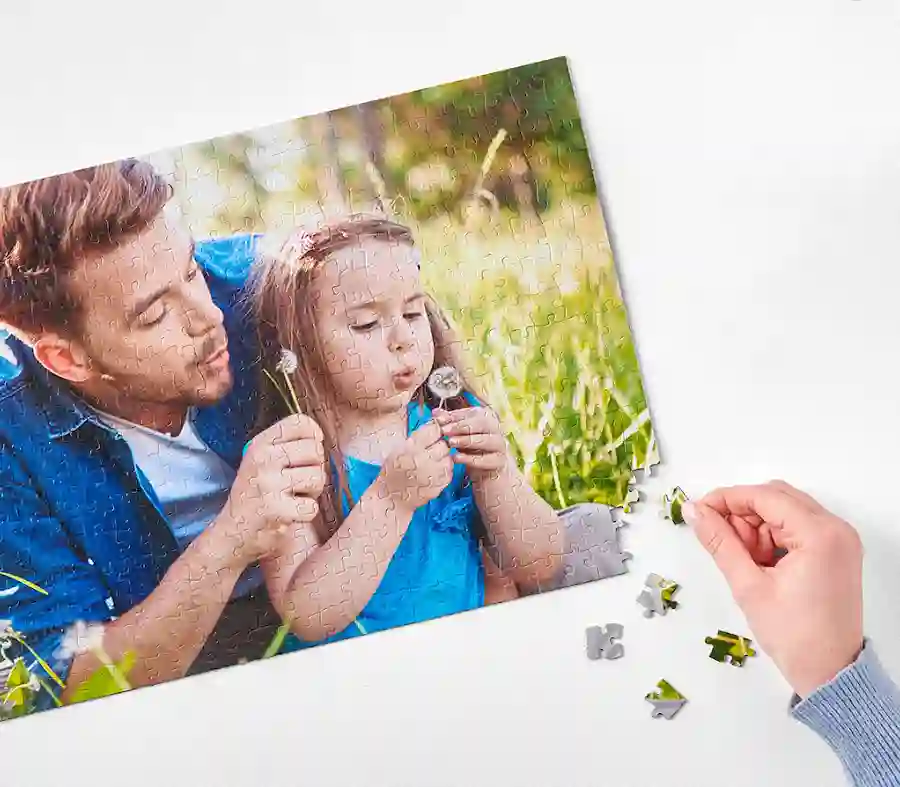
x: 65, y: 412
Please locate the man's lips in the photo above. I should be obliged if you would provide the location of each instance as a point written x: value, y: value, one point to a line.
x: 216, y: 356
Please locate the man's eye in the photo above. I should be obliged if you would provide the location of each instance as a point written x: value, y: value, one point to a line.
x: 413, y: 315
x: 366, y: 326
x: 194, y: 272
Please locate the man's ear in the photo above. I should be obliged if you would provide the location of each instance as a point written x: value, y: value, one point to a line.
x: 63, y: 357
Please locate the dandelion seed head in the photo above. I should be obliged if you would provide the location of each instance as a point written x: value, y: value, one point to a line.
x: 445, y: 382
x: 80, y: 638
x: 288, y: 362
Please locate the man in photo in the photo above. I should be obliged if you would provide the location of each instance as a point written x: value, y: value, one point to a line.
x: 127, y: 398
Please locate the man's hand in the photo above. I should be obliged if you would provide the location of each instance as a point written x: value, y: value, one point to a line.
x: 280, y: 477
x: 805, y: 609
x: 477, y: 436
x: 419, y: 470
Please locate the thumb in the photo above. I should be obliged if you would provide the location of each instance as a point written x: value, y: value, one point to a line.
x: 427, y: 434
x: 722, y: 542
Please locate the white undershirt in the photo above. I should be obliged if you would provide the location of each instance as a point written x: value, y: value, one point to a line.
x: 191, y: 480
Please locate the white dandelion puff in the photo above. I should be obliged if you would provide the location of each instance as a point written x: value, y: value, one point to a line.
x: 81, y: 638
x: 288, y: 362
x: 444, y: 383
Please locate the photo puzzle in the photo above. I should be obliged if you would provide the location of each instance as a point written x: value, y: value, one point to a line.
x: 306, y: 383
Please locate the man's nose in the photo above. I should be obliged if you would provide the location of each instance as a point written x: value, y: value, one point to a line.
x: 202, y: 315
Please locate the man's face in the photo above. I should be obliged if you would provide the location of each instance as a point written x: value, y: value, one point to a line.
x: 150, y: 325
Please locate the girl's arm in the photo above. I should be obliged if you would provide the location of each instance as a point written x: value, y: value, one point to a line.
x: 524, y: 530
x: 522, y: 527
x: 334, y: 581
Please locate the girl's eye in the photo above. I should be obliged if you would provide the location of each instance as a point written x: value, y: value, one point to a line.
x: 194, y: 273
x: 366, y: 326
x: 413, y: 315
x: 149, y: 323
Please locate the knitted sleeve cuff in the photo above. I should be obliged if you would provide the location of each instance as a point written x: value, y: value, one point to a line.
x: 857, y: 714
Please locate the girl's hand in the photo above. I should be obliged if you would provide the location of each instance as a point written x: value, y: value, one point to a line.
x: 476, y: 435
x: 419, y: 470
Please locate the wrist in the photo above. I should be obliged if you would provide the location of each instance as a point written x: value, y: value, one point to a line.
x: 480, y: 477
x: 810, y: 681
x: 393, y: 499
x: 226, y: 544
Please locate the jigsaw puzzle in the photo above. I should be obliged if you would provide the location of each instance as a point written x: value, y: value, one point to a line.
x: 672, y: 504
x: 657, y: 596
x: 348, y: 372
x: 603, y: 642
x: 666, y: 701
x: 729, y: 648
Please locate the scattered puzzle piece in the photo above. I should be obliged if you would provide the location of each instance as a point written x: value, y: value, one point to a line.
x: 666, y: 701
x: 672, y: 504
x: 657, y: 595
x: 600, y: 643
x: 729, y: 648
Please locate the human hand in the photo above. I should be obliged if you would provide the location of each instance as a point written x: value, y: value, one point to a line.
x: 419, y: 470
x: 280, y: 477
x: 805, y: 609
x: 477, y: 436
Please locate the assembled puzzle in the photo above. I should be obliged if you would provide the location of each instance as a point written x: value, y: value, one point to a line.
x: 338, y: 375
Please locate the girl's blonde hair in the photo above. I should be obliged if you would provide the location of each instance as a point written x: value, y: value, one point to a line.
x: 280, y: 297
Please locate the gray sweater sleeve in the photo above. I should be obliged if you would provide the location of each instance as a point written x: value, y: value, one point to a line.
x: 858, y: 715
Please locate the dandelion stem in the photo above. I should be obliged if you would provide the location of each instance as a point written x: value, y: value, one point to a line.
x: 290, y: 386
x: 56, y: 700
x: 278, y: 388
x: 277, y: 640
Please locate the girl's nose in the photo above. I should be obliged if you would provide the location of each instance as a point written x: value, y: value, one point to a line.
x: 401, y: 336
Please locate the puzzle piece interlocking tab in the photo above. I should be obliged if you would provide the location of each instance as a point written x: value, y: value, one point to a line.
x: 672, y: 504
x: 657, y: 595
x: 666, y: 700
x: 600, y: 643
x: 729, y: 648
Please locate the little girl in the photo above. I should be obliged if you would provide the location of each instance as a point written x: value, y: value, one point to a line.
x: 419, y: 488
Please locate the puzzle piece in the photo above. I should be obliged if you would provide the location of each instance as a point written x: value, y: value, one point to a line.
x: 657, y: 595
x: 729, y: 648
x: 666, y: 700
x: 672, y: 504
x: 592, y: 548
x: 600, y: 644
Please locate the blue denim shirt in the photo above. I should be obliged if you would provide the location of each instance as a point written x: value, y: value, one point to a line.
x: 76, y: 515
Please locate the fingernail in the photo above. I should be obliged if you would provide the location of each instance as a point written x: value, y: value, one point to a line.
x: 690, y: 512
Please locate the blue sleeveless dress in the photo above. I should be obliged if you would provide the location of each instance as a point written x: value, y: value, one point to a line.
x: 436, y: 569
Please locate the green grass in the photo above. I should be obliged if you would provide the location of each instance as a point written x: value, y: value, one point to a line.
x: 546, y: 334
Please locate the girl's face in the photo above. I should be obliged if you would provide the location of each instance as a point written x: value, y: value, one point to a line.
x: 372, y: 325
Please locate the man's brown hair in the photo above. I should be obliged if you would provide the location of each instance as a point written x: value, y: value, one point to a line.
x: 48, y: 226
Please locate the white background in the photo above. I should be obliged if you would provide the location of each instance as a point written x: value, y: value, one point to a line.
x: 749, y: 159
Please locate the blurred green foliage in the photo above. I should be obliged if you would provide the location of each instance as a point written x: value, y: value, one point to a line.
x: 493, y: 175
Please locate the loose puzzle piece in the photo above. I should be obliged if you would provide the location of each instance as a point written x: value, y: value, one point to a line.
x: 672, y: 504
x: 666, y: 700
x: 730, y: 648
x: 657, y: 596
x: 600, y: 643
